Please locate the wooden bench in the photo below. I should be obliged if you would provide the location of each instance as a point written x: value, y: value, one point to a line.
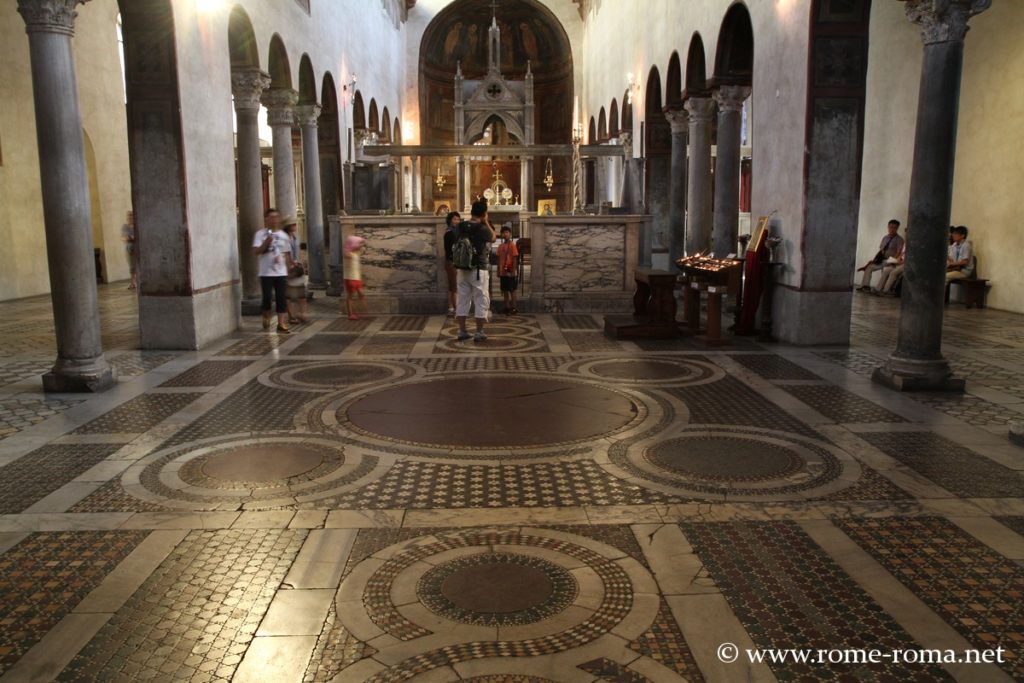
x: 975, y: 288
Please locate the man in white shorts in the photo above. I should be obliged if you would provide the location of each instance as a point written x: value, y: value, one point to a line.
x: 473, y: 284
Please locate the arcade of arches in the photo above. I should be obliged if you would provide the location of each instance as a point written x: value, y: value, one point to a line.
x: 185, y: 495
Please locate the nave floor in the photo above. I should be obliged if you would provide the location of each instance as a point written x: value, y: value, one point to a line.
x: 373, y: 500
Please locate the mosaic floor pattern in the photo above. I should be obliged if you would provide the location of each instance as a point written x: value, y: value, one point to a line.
x: 374, y: 500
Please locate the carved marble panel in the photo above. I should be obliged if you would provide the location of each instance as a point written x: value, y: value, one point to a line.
x: 585, y: 258
x: 399, y: 259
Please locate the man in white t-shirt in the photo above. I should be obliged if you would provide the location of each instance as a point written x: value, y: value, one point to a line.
x: 273, y: 248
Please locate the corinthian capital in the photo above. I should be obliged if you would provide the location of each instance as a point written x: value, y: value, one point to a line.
x: 280, y: 103
x: 247, y: 85
x: 626, y: 140
x: 701, y: 109
x: 307, y: 114
x: 677, y: 120
x: 49, y: 16
x: 731, y: 97
x: 944, y: 21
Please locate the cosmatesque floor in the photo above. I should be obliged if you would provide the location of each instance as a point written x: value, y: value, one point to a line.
x: 373, y: 500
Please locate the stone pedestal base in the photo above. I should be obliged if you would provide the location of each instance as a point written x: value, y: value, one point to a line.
x: 904, y: 374
x: 252, y: 306
x: 80, y: 381
x: 1017, y: 433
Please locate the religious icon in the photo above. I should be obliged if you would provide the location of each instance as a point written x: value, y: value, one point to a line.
x: 546, y: 207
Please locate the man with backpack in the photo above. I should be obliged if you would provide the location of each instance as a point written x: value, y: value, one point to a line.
x: 470, y: 255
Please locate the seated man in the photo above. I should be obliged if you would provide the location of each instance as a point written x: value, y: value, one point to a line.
x: 892, y: 271
x: 889, y: 247
x: 960, y: 258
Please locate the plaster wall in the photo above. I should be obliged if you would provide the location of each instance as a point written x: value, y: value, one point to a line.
x: 988, y: 167
x: 23, y: 266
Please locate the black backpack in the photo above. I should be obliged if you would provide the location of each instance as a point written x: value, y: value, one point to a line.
x: 465, y: 255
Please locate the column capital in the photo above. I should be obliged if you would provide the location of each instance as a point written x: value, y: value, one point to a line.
x: 248, y: 85
x: 49, y: 16
x: 307, y: 114
x: 944, y: 21
x: 280, y: 103
x: 731, y: 97
x: 701, y: 109
x: 677, y: 120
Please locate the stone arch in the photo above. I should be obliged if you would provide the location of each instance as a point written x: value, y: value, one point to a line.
x: 385, y: 125
x: 277, y: 64
x: 374, y: 121
x: 475, y: 129
x: 734, y: 58
x: 307, y: 81
x: 242, y: 45
x: 613, y: 119
x: 627, y: 112
x: 696, y: 69
x: 358, y: 112
x: 674, y: 82
x: 652, y: 98
x: 329, y: 139
x: 602, y: 126
x: 396, y: 136
x: 592, y: 132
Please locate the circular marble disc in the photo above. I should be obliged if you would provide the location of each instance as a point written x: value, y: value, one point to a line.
x: 262, y: 463
x: 497, y: 587
x: 723, y: 458
x: 490, y: 412
x: 641, y: 370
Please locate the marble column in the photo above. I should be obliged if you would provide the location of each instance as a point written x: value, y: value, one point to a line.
x: 67, y: 216
x: 307, y: 115
x: 415, y: 186
x: 917, y: 362
x: 460, y: 185
x: 526, y: 189
x: 247, y: 86
x: 698, y: 201
x: 280, y: 103
x: 678, y: 121
x: 730, y: 100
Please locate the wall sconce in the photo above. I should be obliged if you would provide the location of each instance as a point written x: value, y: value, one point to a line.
x: 549, y: 176
x: 631, y: 87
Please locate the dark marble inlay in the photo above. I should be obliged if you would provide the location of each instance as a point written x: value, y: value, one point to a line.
x: 497, y: 589
x: 262, y: 463
x: 324, y: 345
x: 492, y: 412
x: 340, y: 374
x: 840, y: 405
x: 138, y: 415
x: 645, y: 369
x: 720, y: 458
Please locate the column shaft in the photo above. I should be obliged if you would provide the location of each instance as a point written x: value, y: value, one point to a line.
x: 698, y: 204
x: 727, y: 169
x: 677, y: 119
x: 67, y: 216
x: 247, y: 86
x: 917, y: 362
x: 415, y: 200
x: 281, y: 118
x: 460, y: 185
x: 308, y: 115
